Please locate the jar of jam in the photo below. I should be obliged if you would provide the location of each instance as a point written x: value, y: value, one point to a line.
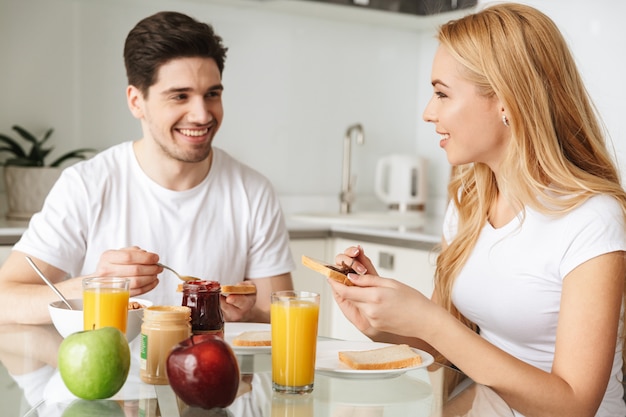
x: 163, y: 328
x: 203, y: 297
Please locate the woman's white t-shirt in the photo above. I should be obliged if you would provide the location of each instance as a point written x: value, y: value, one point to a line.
x: 512, y: 282
x: 227, y: 228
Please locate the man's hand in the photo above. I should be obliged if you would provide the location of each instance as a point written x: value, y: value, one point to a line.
x: 255, y: 308
x: 139, y: 265
x: 237, y: 307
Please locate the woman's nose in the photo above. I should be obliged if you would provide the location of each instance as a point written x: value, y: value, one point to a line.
x: 429, y: 115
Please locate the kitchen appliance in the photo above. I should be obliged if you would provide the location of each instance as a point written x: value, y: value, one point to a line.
x: 401, y: 182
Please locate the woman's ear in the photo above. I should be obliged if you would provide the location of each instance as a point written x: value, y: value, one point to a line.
x: 504, y: 115
x: 135, y: 102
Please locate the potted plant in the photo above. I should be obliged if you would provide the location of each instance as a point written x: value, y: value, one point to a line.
x: 27, y: 177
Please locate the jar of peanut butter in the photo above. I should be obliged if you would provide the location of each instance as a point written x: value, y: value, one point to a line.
x: 163, y: 328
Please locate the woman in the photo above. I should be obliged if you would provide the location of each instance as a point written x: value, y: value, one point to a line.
x: 530, y: 279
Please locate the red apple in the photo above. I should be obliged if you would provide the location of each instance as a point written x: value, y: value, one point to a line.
x: 203, y: 371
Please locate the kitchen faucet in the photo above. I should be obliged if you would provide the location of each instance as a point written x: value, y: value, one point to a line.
x: 347, y: 195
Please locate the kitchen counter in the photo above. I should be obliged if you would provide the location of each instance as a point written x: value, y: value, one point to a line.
x: 424, y: 238
x: 420, y: 238
x: 11, y: 230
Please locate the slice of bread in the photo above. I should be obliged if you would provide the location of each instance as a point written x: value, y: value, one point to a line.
x: 253, y: 338
x: 241, y: 288
x: 388, y: 357
x: 339, y: 274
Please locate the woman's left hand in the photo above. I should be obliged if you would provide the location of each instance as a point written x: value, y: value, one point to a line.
x: 376, y: 304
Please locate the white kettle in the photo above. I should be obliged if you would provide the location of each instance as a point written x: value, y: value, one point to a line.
x: 401, y: 182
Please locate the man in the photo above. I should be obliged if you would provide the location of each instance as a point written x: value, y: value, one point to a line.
x: 168, y: 197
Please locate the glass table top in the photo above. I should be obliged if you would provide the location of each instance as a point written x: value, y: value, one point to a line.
x: 30, y: 385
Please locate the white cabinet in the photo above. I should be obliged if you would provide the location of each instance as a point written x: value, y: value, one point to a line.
x: 5, y: 251
x: 414, y: 267
x: 305, y: 279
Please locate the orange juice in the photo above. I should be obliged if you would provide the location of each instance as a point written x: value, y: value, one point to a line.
x: 104, y: 306
x: 294, y: 340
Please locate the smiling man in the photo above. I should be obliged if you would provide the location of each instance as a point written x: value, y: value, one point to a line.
x: 168, y: 197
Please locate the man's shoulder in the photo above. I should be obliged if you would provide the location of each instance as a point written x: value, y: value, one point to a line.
x: 227, y: 164
x: 113, y: 157
x: 116, y: 152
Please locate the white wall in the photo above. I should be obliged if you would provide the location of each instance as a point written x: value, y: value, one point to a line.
x: 293, y: 82
x: 596, y: 33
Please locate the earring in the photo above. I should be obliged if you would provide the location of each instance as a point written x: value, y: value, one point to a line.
x: 505, y: 120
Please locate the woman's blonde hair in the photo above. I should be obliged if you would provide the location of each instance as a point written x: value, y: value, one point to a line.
x: 557, y: 157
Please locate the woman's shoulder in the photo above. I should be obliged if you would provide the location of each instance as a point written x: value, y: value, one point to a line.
x: 601, y: 205
x: 598, y: 217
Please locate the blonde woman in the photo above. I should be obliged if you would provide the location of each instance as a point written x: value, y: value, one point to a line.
x: 530, y: 279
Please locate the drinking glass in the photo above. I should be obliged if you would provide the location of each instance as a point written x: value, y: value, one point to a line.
x: 105, y: 302
x: 285, y: 405
x: 294, y: 319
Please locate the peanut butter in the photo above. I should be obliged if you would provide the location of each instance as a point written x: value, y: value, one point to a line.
x: 163, y: 328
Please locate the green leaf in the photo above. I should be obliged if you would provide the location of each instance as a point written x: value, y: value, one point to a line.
x: 47, y: 135
x: 37, y: 154
x: 25, y: 134
x: 78, y: 154
x: 13, y: 146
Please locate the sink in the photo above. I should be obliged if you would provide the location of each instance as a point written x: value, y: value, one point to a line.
x: 407, y: 219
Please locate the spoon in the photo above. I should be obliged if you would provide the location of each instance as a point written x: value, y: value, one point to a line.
x: 182, y: 277
x: 47, y: 281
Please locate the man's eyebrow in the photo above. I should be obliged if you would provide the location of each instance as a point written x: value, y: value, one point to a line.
x: 217, y: 87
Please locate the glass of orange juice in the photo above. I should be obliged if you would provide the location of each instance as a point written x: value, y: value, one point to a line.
x: 294, y: 317
x: 105, y: 302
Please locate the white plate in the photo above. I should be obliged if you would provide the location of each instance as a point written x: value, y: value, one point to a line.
x: 327, y: 360
x: 234, y: 329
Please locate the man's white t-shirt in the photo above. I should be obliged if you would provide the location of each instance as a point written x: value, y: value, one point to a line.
x: 227, y: 228
x: 512, y: 282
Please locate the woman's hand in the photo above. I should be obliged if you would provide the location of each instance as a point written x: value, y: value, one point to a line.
x: 137, y: 264
x: 354, y: 257
x: 375, y: 304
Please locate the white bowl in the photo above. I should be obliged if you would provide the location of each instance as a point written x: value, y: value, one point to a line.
x: 69, y: 321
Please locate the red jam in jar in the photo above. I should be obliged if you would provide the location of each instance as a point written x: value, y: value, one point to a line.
x: 203, y: 297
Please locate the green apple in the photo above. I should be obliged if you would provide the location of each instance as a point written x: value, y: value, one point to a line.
x: 94, y: 364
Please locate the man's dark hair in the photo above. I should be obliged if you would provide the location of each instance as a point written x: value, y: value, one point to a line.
x: 164, y: 36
